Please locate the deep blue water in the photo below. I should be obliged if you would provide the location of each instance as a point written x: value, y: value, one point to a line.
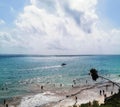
x: 17, y: 71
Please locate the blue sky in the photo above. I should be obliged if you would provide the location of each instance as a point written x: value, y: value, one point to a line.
x: 110, y: 10
x: 59, y: 27
x: 9, y: 9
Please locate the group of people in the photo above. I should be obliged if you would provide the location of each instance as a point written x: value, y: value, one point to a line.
x: 4, y: 101
x: 102, y: 92
x: 4, y: 88
x: 6, y: 105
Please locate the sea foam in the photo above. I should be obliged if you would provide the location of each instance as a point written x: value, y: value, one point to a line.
x: 38, y: 100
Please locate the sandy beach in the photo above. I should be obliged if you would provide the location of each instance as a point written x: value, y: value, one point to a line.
x: 63, y: 96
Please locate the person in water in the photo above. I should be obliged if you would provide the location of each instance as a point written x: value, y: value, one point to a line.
x: 42, y: 88
x: 74, y: 82
x: 4, y: 101
x: 60, y: 85
x: 86, y: 81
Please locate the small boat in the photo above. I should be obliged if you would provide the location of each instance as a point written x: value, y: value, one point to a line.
x: 63, y: 64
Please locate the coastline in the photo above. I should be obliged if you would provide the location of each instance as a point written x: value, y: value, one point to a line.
x: 57, y: 97
x: 22, y: 78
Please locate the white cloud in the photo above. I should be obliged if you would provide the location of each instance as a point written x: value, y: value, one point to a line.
x: 63, y: 27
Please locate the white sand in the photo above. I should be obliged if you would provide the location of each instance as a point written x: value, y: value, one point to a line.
x: 57, y: 98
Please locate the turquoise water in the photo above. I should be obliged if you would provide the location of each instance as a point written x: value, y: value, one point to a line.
x: 17, y: 72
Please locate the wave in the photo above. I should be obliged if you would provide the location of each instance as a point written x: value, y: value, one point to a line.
x: 38, y: 100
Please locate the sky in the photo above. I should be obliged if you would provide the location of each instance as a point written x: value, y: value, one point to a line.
x: 59, y: 27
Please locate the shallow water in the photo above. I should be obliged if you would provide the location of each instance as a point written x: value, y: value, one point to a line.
x: 17, y: 73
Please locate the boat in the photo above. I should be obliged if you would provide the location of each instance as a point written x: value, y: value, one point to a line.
x: 63, y: 64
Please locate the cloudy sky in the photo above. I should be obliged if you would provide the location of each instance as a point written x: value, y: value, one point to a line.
x: 59, y: 27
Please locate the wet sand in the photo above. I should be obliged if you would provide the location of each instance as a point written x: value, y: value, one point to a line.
x: 62, y: 96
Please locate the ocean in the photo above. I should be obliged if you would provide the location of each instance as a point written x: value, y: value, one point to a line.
x: 18, y: 72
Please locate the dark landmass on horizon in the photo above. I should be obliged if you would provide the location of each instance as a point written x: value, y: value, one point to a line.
x: 37, y: 55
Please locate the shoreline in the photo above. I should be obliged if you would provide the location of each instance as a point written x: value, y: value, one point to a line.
x: 57, y: 97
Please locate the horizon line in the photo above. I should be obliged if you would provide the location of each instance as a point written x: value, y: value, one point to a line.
x: 42, y: 55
